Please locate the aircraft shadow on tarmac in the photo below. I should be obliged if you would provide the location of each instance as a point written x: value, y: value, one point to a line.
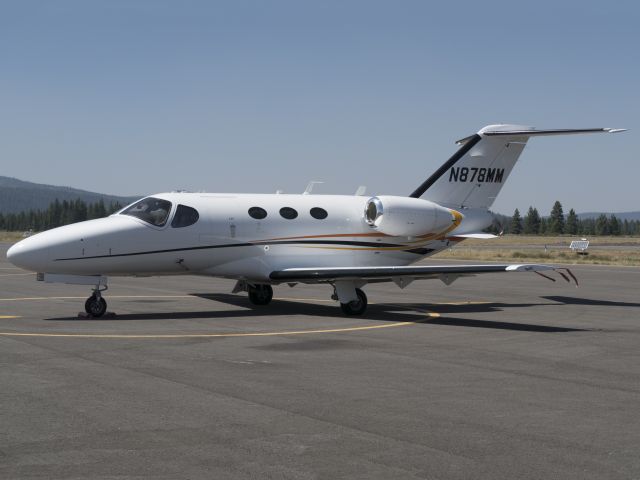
x: 590, y: 301
x: 397, y: 312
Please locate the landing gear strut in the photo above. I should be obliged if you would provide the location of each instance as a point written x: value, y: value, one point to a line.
x: 260, y: 294
x: 95, y: 305
x: 355, y: 307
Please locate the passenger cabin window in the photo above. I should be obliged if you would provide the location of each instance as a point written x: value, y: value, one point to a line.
x: 318, y: 213
x: 184, y: 217
x: 151, y: 210
x: 288, y: 213
x: 257, y: 213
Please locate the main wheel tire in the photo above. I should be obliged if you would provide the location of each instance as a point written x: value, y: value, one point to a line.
x: 356, y: 307
x: 260, y: 294
x: 96, y: 307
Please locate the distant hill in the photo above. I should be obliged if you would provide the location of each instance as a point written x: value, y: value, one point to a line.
x: 17, y: 196
x: 630, y: 216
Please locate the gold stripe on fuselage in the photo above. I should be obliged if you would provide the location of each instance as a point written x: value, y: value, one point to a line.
x: 457, y: 219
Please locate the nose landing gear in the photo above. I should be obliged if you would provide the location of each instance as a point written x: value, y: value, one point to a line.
x: 96, y: 306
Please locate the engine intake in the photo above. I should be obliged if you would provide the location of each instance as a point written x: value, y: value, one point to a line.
x: 408, y: 217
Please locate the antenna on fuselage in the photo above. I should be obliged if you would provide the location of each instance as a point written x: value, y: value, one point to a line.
x: 310, y: 186
x: 361, y: 190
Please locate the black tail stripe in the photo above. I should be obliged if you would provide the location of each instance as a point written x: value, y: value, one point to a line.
x: 446, y: 166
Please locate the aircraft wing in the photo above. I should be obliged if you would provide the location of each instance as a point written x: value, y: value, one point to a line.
x: 446, y: 273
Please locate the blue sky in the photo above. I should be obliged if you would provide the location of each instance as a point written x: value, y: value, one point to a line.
x: 136, y: 97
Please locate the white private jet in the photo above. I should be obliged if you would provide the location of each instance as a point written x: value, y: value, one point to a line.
x: 264, y: 240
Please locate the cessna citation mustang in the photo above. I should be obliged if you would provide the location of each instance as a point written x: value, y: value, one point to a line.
x: 265, y: 240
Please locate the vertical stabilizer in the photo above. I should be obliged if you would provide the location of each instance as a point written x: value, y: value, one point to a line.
x: 475, y: 174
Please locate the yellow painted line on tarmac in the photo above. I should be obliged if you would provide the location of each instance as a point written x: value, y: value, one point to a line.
x: 223, y: 335
x: 461, y: 303
x: 205, y: 335
x: 4, y: 317
x: 196, y: 297
x: 208, y: 335
x: 19, y: 299
x: 326, y: 300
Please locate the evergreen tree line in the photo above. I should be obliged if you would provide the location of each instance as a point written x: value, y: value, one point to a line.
x: 560, y: 224
x: 58, y: 214
x: 66, y: 212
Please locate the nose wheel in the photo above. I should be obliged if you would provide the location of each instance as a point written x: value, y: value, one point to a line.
x: 96, y: 306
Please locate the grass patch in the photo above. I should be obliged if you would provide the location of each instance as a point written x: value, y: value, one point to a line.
x: 553, y: 241
x: 606, y: 257
x: 10, y: 237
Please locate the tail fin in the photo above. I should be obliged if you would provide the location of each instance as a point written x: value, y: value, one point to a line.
x: 474, y: 175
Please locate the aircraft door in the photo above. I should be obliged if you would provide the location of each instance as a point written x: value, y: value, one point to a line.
x: 219, y: 223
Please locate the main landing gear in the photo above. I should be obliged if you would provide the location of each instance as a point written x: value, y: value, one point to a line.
x: 260, y: 294
x: 353, y: 301
x: 96, y: 306
x: 355, y: 307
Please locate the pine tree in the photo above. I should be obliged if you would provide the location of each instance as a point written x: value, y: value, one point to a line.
x: 113, y: 208
x: 624, y: 230
x: 78, y: 211
x: 556, y: 221
x: 614, y: 225
x: 55, y: 214
x: 572, y: 223
x: 515, y: 227
x: 602, y: 225
x: 99, y: 209
x: 532, y: 222
x: 544, y: 226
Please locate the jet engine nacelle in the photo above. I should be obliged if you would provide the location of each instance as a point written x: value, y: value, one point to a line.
x: 407, y: 217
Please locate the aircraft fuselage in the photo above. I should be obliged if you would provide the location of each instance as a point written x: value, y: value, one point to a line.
x: 227, y: 241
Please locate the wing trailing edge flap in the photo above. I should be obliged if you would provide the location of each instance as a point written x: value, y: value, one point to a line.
x: 403, y: 276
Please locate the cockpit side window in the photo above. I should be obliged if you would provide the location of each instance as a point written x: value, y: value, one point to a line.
x: 184, y: 217
x: 151, y: 210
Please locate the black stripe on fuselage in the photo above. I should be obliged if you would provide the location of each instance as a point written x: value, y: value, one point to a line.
x: 418, y: 192
x: 251, y: 244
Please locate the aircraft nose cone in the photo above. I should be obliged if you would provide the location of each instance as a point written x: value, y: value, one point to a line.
x: 13, y: 254
x: 28, y: 254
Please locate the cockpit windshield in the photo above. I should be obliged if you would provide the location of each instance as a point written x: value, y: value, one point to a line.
x: 151, y: 210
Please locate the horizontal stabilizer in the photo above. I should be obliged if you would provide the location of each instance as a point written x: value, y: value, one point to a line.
x: 533, y: 132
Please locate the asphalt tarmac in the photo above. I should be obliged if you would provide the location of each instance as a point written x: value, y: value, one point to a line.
x: 498, y: 376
